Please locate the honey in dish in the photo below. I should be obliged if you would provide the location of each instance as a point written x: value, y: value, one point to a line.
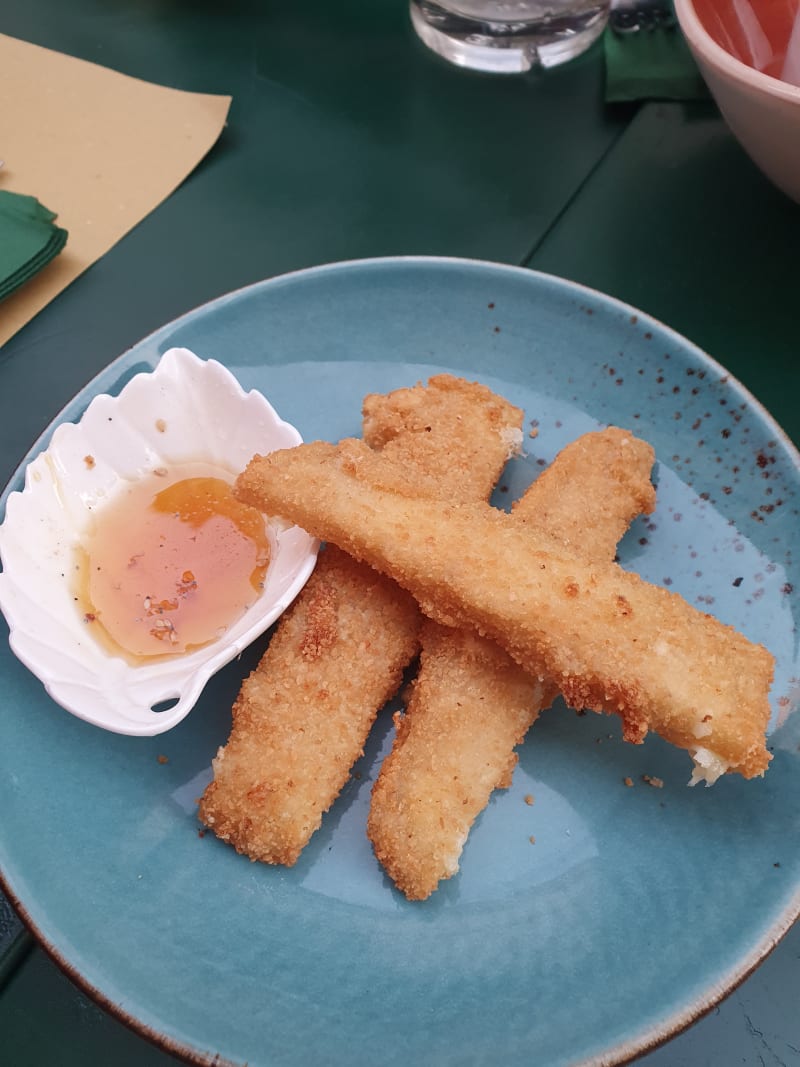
x: 170, y: 563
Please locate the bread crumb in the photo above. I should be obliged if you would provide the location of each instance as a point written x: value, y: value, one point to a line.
x: 532, y: 839
x: 528, y: 799
x: 628, y: 782
x: 163, y: 759
x: 656, y: 783
x: 511, y: 436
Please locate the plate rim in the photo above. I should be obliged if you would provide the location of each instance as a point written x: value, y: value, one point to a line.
x: 652, y: 1036
x: 336, y: 266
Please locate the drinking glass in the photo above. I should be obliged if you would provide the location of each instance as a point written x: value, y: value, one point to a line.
x: 509, y: 36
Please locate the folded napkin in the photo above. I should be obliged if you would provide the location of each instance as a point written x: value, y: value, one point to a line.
x: 29, y: 239
x: 646, y: 55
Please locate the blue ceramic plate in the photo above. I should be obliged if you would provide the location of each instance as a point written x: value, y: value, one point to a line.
x: 635, y: 909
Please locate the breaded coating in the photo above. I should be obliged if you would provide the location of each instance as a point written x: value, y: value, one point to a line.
x: 451, y: 438
x: 591, y: 492
x: 471, y: 704
x: 609, y: 640
x: 302, y: 717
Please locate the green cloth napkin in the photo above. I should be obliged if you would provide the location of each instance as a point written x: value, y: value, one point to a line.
x: 646, y: 55
x: 28, y: 239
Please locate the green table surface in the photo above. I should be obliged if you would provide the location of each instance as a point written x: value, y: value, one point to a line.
x: 346, y: 138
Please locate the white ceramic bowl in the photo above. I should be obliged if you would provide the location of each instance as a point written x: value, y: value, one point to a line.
x: 763, y: 112
x: 186, y: 410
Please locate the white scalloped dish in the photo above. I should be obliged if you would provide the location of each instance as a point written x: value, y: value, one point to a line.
x: 187, y: 414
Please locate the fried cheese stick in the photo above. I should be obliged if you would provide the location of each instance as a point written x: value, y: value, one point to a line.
x: 302, y: 717
x: 609, y: 640
x: 471, y: 704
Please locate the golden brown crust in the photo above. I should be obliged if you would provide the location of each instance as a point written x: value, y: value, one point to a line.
x: 471, y: 704
x: 302, y: 717
x: 650, y: 657
x: 586, y: 499
x: 451, y: 429
x: 338, y: 656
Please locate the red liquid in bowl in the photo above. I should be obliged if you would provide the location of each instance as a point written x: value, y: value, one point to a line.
x: 757, y: 32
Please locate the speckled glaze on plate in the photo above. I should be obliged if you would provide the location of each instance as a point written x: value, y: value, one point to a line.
x: 635, y: 909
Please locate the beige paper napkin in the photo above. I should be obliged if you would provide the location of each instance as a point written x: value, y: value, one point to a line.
x: 99, y: 148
